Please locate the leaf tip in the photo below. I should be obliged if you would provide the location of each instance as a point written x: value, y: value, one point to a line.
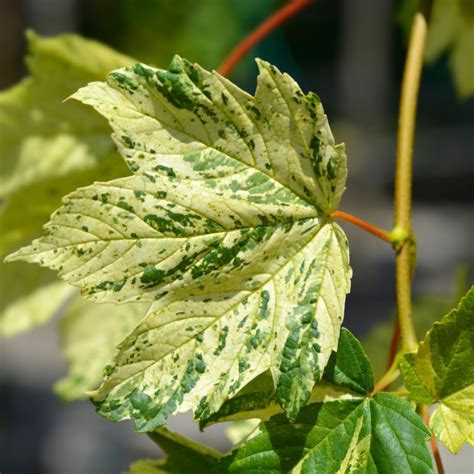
x: 12, y: 257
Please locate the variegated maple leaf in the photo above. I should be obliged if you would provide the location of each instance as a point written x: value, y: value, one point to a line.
x: 225, y: 226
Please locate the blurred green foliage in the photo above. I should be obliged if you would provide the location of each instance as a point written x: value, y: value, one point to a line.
x: 426, y: 310
x: 451, y: 33
x: 47, y: 149
x: 203, y: 31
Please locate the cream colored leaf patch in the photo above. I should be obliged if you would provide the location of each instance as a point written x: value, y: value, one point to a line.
x: 224, y: 226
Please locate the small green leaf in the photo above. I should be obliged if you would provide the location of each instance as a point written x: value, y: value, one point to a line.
x: 184, y: 456
x: 224, y: 226
x: 90, y: 334
x: 350, y: 366
x: 442, y: 371
x: 382, y: 434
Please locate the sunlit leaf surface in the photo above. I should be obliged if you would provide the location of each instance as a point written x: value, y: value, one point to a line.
x: 224, y: 226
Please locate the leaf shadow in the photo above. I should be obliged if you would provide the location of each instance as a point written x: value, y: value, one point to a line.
x: 281, y: 432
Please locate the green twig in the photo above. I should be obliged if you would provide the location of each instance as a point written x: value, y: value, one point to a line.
x: 403, y: 179
x: 390, y: 376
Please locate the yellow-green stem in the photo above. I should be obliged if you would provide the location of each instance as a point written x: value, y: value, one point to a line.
x: 390, y: 376
x: 403, y: 177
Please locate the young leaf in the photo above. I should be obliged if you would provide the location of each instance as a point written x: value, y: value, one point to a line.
x: 183, y: 456
x: 225, y: 226
x: 442, y: 371
x: 349, y: 366
x: 90, y: 334
x: 380, y: 434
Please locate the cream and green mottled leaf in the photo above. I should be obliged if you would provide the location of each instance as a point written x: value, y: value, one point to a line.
x: 442, y: 371
x: 225, y: 227
x: 184, y: 456
x: 89, y: 335
x: 381, y: 434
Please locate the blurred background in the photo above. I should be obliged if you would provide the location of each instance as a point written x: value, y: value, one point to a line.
x: 351, y: 53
